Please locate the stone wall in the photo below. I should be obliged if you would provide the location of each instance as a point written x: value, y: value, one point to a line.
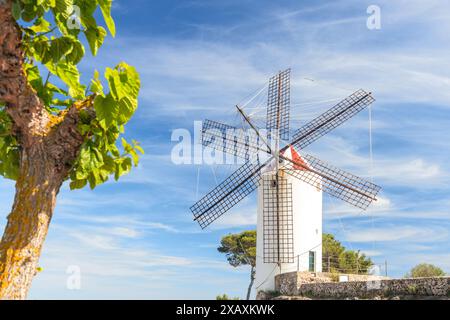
x: 304, y: 284
x: 291, y: 281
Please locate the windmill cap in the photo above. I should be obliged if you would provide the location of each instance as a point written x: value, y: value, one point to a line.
x: 293, y: 155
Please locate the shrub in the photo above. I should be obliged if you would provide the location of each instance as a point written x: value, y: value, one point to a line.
x: 226, y: 297
x: 425, y: 270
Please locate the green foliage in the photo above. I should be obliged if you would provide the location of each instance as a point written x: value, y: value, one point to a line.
x: 53, y: 42
x: 9, y: 151
x: 354, y: 262
x: 337, y: 259
x: 425, y: 270
x: 117, y: 107
x: 240, y: 249
x: 100, y: 157
x: 226, y: 297
x: 56, y: 43
x: 331, y: 250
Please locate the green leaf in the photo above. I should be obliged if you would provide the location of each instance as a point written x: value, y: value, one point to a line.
x: 78, y: 184
x: 94, y: 179
x: 106, y: 109
x: 134, y: 157
x: 41, y: 49
x: 87, y: 8
x: 64, y: 7
x: 114, y: 150
x: 34, y: 77
x: 59, y: 47
x: 9, y: 151
x: 90, y: 158
x: 105, y: 7
x: 77, y: 53
x: 129, y: 79
x: 40, y: 25
x: 69, y: 74
x: 122, y: 167
x: 29, y: 11
x: 124, y: 85
x: 16, y: 10
x: 139, y: 148
x: 112, y: 76
x: 95, y: 37
x: 51, y: 87
x: 96, y: 84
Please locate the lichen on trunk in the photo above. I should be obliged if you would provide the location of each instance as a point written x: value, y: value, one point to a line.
x: 21, y: 244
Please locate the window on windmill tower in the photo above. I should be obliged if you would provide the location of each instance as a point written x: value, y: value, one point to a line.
x: 312, y: 261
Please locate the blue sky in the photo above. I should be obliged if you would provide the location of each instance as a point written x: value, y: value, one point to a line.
x: 197, y: 59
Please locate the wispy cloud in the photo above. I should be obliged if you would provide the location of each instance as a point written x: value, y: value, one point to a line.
x: 395, y: 234
x: 244, y: 216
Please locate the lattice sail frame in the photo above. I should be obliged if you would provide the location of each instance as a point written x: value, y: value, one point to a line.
x: 278, y: 104
x: 278, y: 233
x: 227, y: 194
x: 242, y: 143
x: 331, y: 119
x: 336, y: 182
x: 246, y: 179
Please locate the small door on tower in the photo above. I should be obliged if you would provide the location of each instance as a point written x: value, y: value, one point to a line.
x: 312, y: 261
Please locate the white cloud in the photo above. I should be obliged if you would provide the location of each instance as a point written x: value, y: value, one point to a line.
x: 396, y: 234
x: 125, y: 232
x: 407, y: 172
x: 244, y: 216
x: 409, y: 260
x: 372, y: 253
x: 132, y: 221
x: 336, y: 209
x: 95, y: 241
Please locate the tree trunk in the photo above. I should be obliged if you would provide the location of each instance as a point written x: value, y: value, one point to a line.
x: 47, y: 155
x: 252, y: 279
x: 20, y: 247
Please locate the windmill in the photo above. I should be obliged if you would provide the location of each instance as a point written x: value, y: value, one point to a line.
x: 290, y: 185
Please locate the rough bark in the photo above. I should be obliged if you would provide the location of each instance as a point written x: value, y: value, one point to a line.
x: 252, y: 279
x: 23, y: 105
x: 47, y: 154
x: 43, y: 168
x: 28, y: 222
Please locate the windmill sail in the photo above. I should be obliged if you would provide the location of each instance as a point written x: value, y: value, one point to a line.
x: 228, y: 139
x: 277, y: 220
x: 336, y: 182
x: 227, y: 194
x: 278, y: 104
x: 331, y: 119
x: 247, y: 145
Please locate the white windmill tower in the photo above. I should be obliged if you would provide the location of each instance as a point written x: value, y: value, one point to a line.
x: 297, y: 221
x: 290, y: 185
